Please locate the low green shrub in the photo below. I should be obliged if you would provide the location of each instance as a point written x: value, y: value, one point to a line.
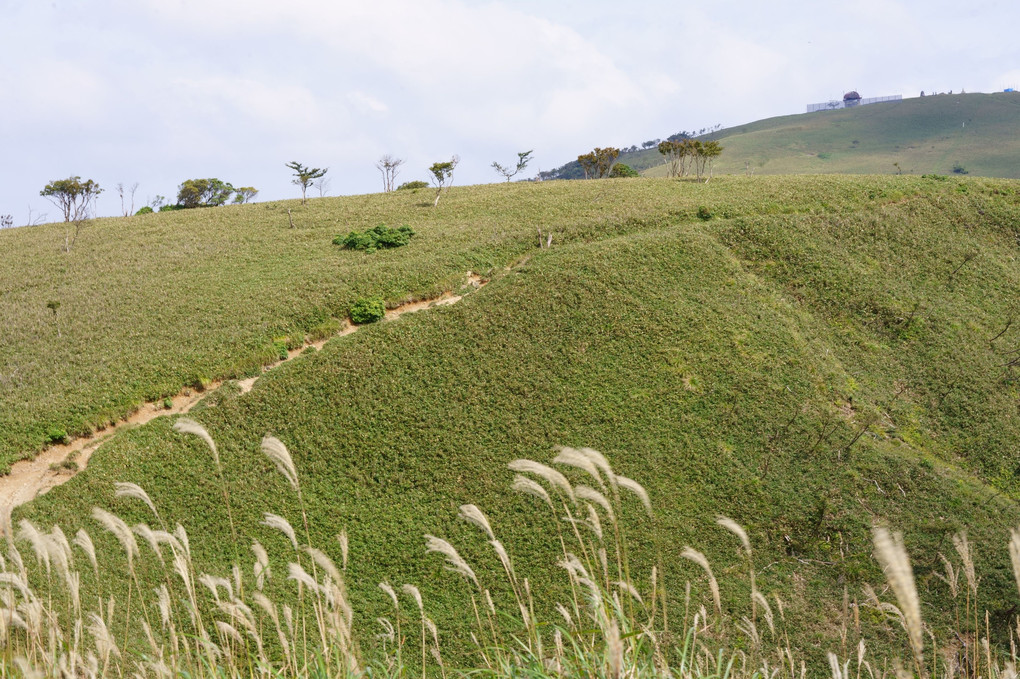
x: 620, y: 170
x: 367, y: 310
x: 704, y: 213
x: 56, y: 435
x: 417, y: 184
x: 381, y: 236
x: 145, y: 210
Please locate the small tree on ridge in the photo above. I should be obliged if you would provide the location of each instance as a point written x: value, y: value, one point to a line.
x: 72, y: 195
x: 245, y: 194
x: 442, y: 176
x: 389, y: 166
x: 304, y: 176
x: 523, y: 158
x: 599, y: 163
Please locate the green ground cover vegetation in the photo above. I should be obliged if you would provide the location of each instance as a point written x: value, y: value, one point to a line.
x: 807, y: 355
x: 961, y: 133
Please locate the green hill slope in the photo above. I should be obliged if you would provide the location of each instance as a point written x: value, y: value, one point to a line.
x: 821, y: 354
x: 923, y: 135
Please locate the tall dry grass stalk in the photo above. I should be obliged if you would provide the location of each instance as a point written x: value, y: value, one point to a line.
x: 188, y: 426
x: 892, y: 556
x: 269, y: 621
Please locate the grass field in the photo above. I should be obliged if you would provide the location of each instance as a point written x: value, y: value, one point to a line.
x: 922, y: 135
x: 814, y: 355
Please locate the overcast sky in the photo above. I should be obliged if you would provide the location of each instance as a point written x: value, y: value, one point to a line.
x: 159, y: 91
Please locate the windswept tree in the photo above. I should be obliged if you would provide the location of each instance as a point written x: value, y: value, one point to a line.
x: 703, y: 154
x: 389, y: 166
x: 673, y: 153
x: 74, y: 197
x: 126, y: 193
x: 209, y: 192
x: 322, y: 186
x: 599, y: 163
x: 304, y: 176
x: 523, y: 158
x: 245, y: 194
x: 442, y: 176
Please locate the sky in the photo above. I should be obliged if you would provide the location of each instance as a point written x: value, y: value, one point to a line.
x: 154, y: 92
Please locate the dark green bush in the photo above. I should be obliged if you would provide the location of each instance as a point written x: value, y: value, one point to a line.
x: 621, y: 170
x: 704, y: 213
x: 56, y: 435
x: 367, y: 310
x: 145, y: 210
x: 381, y: 236
x: 418, y: 184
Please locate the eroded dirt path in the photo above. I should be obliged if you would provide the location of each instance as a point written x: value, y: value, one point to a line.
x: 58, y: 464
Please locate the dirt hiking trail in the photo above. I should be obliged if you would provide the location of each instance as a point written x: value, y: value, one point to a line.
x: 60, y: 463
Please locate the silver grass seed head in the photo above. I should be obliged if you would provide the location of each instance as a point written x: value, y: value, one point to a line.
x: 735, y: 528
x: 472, y: 514
x: 415, y: 594
x: 325, y: 563
x: 1014, y: 554
x: 630, y: 590
x: 454, y: 560
x: 186, y: 425
x: 593, y: 520
x: 296, y: 572
x: 27, y: 531
x: 126, y: 489
x: 601, y: 462
x: 388, y: 590
x: 551, y: 476
x: 638, y: 490
x: 344, y: 546
x: 146, y: 533
x: 281, y: 524
x: 182, y: 539
x: 699, y: 558
x: 592, y: 495
x: 892, y: 555
x: 571, y: 457
x: 522, y: 484
x: 277, y: 452
x: 120, y: 530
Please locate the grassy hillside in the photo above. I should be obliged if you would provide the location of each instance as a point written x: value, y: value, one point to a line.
x: 817, y: 355
x: 923, y: 135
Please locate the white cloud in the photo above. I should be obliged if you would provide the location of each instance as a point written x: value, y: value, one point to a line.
x: 160, y: 90
x: 366, y: 103
x: 238, y: 100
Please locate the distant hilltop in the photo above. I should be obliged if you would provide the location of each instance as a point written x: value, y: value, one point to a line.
x: 851, y: 98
